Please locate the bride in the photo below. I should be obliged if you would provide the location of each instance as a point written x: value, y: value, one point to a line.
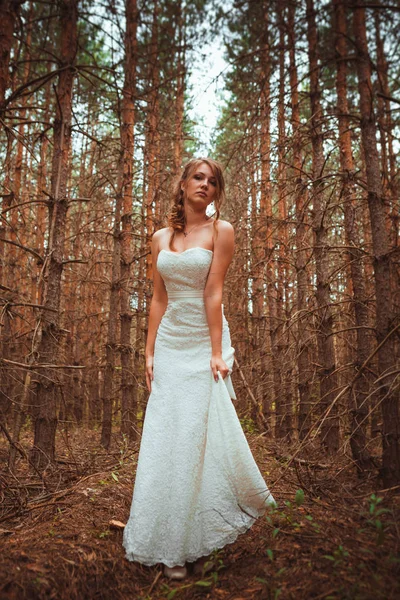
x: 197, y: 485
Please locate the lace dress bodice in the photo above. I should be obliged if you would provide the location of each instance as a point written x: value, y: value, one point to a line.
x: 185, y: 271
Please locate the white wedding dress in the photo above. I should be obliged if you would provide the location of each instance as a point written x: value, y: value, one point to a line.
x: 197, y: 485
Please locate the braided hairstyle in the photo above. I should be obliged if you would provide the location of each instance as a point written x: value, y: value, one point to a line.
x: 176, y: 215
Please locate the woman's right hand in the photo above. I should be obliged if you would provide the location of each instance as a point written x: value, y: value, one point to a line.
x: 149, y: 371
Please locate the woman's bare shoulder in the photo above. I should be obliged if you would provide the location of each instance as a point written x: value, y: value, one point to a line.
x: 225, y: 230
x: 162, y: 233
x: 224, y: 241
x: 224, y: 225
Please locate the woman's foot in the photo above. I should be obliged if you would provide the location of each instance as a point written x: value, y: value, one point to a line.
x: 175, y: 572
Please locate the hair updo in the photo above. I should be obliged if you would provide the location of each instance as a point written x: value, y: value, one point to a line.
x: 176, y: 215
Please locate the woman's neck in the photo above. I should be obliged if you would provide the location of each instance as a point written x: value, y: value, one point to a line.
x: 195, y: 218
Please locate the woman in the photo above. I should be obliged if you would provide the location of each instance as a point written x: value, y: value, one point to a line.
x: 197, y: 485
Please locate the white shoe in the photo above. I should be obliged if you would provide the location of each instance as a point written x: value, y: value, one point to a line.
x: 175, y: 572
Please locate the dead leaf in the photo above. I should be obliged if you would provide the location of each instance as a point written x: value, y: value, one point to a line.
x: 116, y: 524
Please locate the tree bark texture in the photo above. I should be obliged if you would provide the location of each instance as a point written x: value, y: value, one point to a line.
x: 305, y: 372
x: 128, y: 399
x: 180, y: 91
x: 362, y: 387
x: 47, y: 384
x: 385, y: 123
x: 152, y: 143
x: 266, y: 228
x: 9, y: 10
x: 324, y: 316
x: 388, y: 362
x: 284, y: 424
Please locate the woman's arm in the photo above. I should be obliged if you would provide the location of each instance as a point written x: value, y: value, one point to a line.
x: 157, y: 309
x: 223, y: 253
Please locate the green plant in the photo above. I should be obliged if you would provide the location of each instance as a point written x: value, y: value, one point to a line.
x: 299, y: 497
x: 104, y: 534
x: 271, y: 583
x: 248, y: 424
x: 170, y: 593
x: 338, y: 556
x: 374, y: 513
x: 27, y: 425
x: 293, y: 514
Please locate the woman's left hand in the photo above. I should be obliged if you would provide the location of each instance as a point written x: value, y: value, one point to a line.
x: 218, y: 364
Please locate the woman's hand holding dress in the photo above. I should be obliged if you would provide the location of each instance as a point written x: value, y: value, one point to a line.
x: 218, y: 364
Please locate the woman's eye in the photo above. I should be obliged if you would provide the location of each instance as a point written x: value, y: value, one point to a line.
x: 214, y: 183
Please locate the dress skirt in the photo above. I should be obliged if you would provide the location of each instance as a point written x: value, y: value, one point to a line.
x: 197, y: 485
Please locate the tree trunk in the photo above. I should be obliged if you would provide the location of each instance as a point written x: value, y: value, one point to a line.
x: 284, y: 425
x: 305, y: 373
x: 9, y: 10
x: 391, y: 185
x: 359, y: 396
x: 266, y: 209
x: 326, y: 352
x: 45, y: 412
x: 381, y: 251
x: 8, y: 15
x: 128, y: 408
x: 16, y: 215
x: 258, y: 296
x: 385, y: 123
x: 112, y: 327
x: 122, y: 249
x: 41, y: 223
x: 152, y: 147
x: 180, y: 92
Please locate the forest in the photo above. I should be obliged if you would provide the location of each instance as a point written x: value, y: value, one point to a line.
x: 98, y: 102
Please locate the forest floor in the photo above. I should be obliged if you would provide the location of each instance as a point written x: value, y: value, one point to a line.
x: 333, y: 536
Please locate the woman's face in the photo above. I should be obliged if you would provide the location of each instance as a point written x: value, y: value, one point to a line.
x: 201, y: 187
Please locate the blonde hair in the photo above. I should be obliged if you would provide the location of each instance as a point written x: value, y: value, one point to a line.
x: 176, y: 215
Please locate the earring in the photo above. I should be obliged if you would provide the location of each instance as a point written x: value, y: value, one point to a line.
x: 210, y: 210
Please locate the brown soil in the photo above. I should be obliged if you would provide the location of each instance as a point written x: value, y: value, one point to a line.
x: 58, y: 543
